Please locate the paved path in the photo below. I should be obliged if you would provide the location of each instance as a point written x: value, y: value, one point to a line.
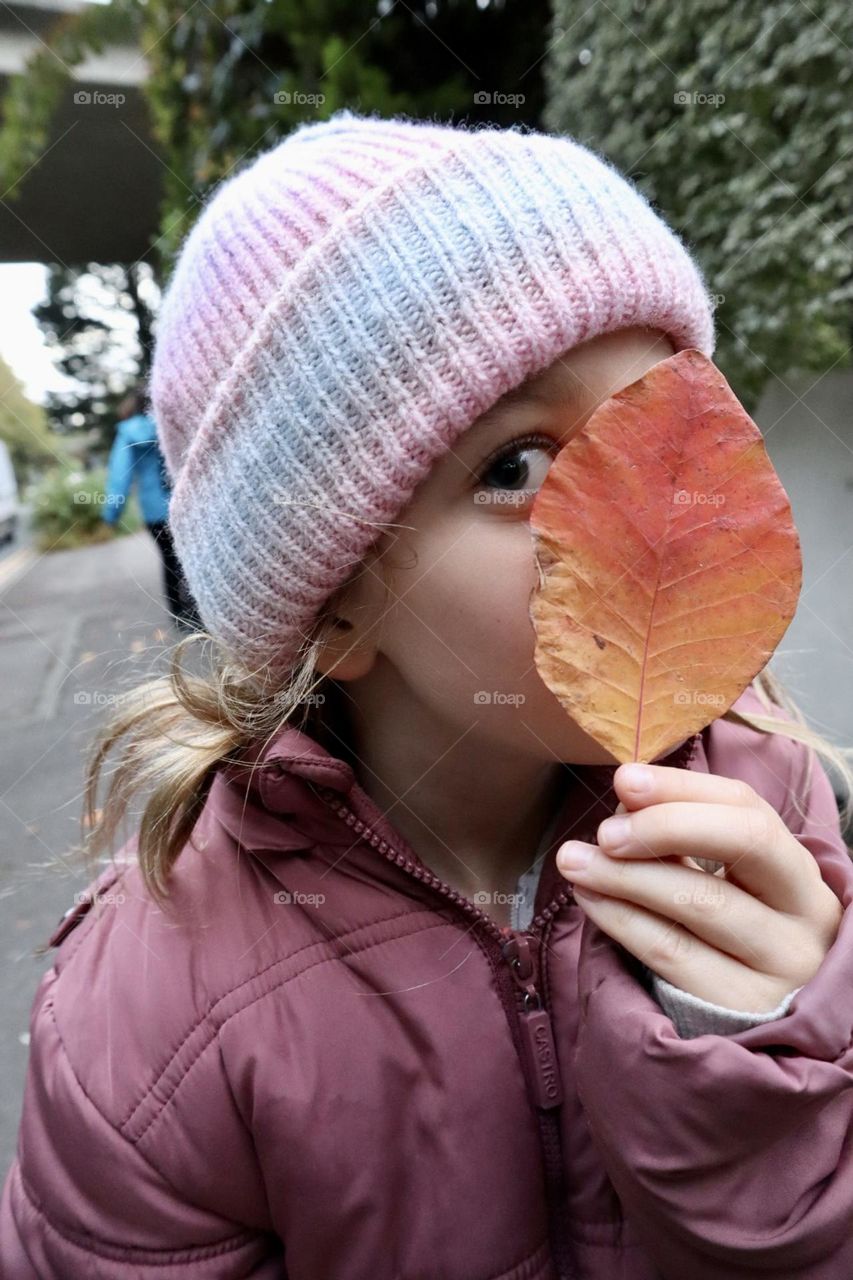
x: 75, y: 627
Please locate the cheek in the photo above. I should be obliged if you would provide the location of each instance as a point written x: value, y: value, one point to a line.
x: 468, y: 610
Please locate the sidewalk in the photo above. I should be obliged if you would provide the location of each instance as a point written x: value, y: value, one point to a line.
x: 75, y: 627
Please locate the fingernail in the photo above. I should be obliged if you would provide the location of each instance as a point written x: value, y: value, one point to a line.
x: 637, y: 777
x: 574, y: 856
x: 614, y: 832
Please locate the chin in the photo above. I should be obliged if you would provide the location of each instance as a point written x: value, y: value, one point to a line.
x: 568, y: 743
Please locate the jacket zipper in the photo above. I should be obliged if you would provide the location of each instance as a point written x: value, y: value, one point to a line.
x: 540, y: 1055
x: 523, y: 995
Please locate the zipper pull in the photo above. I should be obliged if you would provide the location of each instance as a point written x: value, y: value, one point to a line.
x: 537, y: 1035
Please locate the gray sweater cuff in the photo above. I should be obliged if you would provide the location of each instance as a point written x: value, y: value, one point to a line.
x: 692, y: 1016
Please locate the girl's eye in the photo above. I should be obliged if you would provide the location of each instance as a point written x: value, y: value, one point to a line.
x: 514, y: 474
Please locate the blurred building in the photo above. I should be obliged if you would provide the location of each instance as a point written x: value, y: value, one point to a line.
x: 93, y: 194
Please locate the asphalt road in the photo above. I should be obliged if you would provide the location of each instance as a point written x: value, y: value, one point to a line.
x: 75, y: 628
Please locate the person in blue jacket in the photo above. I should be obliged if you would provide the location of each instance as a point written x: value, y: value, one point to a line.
x: 136, y: 457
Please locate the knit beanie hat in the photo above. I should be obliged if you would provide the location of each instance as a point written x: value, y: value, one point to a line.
x: 344, y: 307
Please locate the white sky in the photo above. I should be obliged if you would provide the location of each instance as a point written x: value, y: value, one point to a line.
x: 22, y: 285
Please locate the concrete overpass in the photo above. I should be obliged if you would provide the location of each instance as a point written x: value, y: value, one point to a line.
x: 93, y: 195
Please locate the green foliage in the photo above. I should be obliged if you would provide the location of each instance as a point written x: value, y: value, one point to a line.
x: 67, y: 509
x: 758, y: 184
x: 225, y: 84
x: 23, y: 427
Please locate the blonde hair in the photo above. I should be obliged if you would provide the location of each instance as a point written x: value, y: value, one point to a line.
x: 177, y: 730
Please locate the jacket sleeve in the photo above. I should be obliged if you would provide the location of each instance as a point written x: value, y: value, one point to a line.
x: 119, y: 476
x: 732, y: 1154
x: 83, y: 1200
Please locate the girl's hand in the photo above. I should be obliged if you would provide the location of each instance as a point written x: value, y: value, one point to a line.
x: 742, y: 938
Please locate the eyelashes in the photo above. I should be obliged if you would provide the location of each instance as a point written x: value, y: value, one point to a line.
x: 512, y: 449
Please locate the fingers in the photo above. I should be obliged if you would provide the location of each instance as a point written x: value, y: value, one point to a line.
x: 758, y: 851
x: 718, y: 913
x: 698, y: 864
x: 684, y: 959
x: 639, y: 785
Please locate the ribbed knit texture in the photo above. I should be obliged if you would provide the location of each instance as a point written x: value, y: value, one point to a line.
x: 344, y: 307
x: 693, y: 1016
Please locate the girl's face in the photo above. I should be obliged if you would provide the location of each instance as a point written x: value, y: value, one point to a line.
x: 452, y: 641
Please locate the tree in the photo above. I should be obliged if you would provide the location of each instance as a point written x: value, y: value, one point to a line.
x: 229, y: 82
x: 736, y: 123
x: 24, y: 429
x: 97, y: 324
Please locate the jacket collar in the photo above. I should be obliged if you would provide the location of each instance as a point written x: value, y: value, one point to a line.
x: 592, y: 798
x: 275, y: 777
x: 296, y: 752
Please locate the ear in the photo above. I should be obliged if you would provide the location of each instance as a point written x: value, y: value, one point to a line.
x: 351, y: 634
x: 343, y: 653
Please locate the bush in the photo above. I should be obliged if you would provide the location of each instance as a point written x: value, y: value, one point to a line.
x: 67, y: 510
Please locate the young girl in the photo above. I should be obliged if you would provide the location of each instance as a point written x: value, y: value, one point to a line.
x: 347, y: 1005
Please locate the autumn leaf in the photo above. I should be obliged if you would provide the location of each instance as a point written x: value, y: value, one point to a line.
x: 668, y: 559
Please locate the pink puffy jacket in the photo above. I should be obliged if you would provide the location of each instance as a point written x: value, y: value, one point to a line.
x: 326, y: 1064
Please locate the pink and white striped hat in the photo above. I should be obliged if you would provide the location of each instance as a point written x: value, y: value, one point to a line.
x: 349, y: 303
